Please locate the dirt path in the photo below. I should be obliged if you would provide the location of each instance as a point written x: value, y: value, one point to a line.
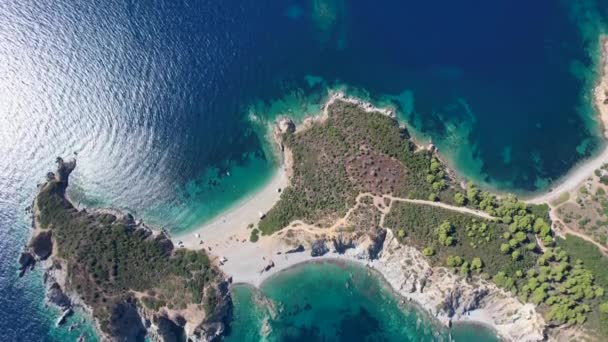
x: 464, y: 210
x: 378, y: 201
x: 565, y: 230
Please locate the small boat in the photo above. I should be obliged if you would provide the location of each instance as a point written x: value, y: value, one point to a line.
x: 197, y: 235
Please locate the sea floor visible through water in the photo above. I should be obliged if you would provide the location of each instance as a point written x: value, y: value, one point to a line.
x: 336, y: 301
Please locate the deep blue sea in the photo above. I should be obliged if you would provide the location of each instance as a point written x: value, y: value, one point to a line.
x: 166, y: 103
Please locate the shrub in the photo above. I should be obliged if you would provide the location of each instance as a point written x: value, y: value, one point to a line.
x: 253, y: 237
x: 459, y: 199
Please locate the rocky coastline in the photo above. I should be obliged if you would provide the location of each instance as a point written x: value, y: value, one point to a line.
x: 446, y: 297
x: 134, y: 320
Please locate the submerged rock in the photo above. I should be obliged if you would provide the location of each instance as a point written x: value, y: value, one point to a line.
x: 26, y: 261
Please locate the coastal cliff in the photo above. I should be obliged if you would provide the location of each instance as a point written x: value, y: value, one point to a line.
x: 129, y: 278
x: 446, y: 296
x: 451, y: 298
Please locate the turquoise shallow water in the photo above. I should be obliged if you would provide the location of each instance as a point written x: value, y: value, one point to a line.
x: 335, y: 301
x: 162, y: 100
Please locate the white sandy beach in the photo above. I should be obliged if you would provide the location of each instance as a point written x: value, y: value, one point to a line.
x: 586, y: 168
x: 227, y: 236
x: 233, y: 223
x: 574, y: 178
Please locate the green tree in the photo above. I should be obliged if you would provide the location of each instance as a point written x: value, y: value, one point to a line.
x: 476, y: 264
x: 435, y: 165
x: 499, y: 279
x: 254, y: 237
x: 472, y: 194
x: 599, y: 292
x: 540, y: 226
x: 444, y: 232
x: 439, y: 185
x: 459, y: 199
x: 428, y: 251
x: 458, y: 260
x: 538, y: 295
x: 532, y: 283
x: 464, y: 269
x: 520, y: 237
x: 450, y: 261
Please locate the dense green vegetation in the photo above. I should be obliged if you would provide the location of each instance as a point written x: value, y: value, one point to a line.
x: 110, y: 260
x: 597, y: 263
x: 560, y: 280
x: 452, y: 234
x: 349, y: 153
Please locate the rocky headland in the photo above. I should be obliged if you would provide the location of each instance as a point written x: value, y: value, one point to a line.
x: 130, y: 279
